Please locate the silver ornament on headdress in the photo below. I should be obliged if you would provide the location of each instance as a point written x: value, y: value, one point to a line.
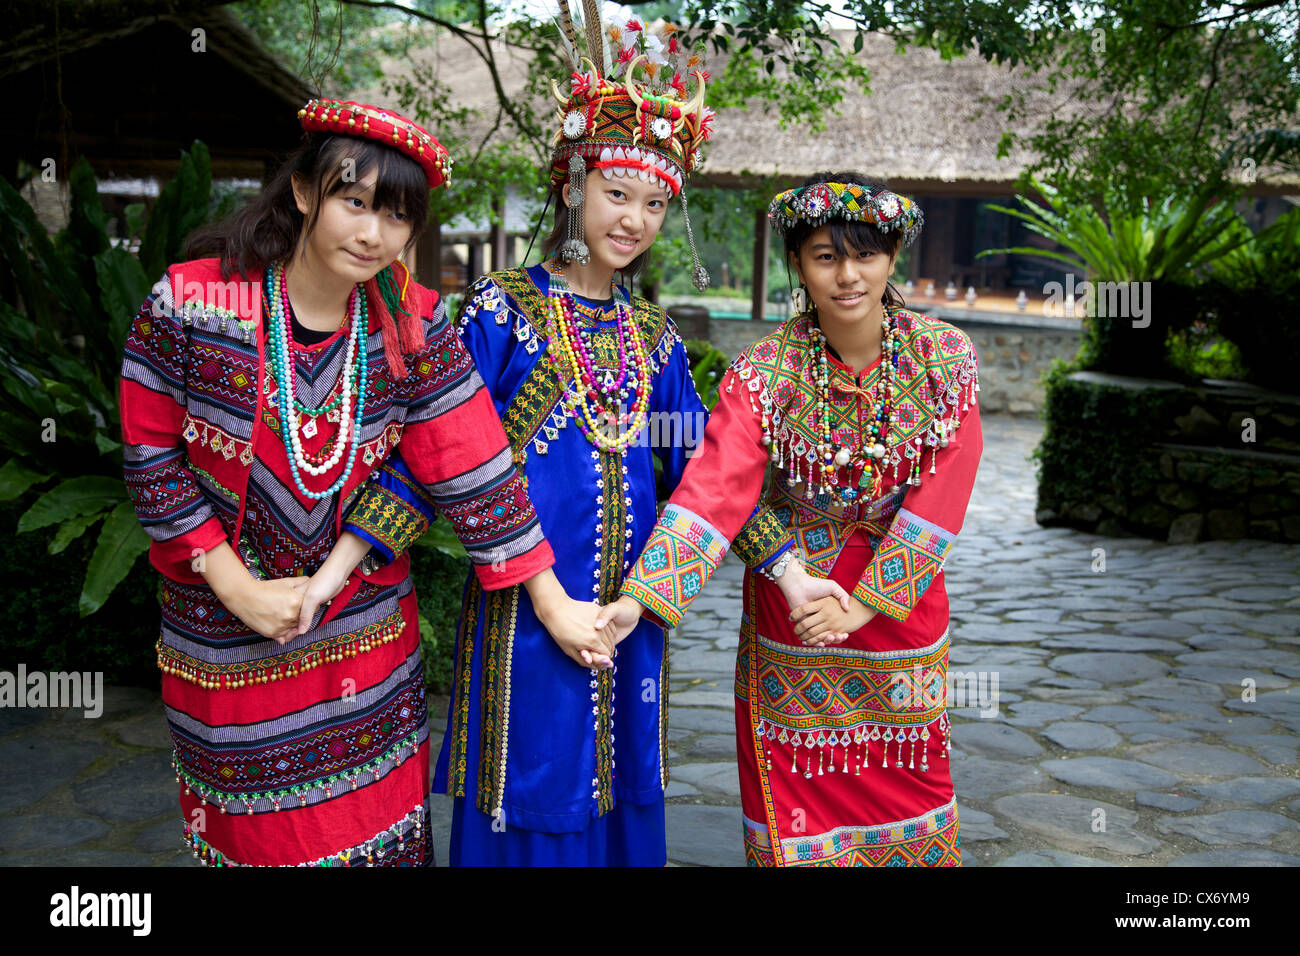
x: 699, y: 275
x: 574, y: 248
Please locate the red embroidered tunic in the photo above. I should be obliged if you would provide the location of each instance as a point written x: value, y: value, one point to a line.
x: 843, y: 756
x: 316, y: 751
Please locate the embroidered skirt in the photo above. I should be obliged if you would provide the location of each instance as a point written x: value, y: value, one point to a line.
x: 843, y: 749
x: 314, y: 752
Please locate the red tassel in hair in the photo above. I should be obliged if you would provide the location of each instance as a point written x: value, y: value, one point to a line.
x: 405, y: 335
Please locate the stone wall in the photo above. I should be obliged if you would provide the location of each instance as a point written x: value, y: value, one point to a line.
x: 1218, y: 460
x: 1013, y: 358
x: 1014, y: 349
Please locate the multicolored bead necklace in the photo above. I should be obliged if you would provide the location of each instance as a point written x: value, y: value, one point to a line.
x: 871, y: 457
x: 352, y: 381
x: 595, y: 403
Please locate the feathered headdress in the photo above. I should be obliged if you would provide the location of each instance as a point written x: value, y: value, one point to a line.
x: 630, y: 110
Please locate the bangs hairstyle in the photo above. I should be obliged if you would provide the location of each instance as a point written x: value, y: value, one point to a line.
x: 268, y: 227
x: 560, y: 231
x: 848, y: 237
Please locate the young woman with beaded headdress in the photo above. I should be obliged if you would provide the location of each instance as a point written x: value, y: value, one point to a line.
x: 549, y: 763
x: 863, y: 415
x: 260, y: 389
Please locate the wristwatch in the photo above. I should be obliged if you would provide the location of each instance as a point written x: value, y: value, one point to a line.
x: 783, y: 564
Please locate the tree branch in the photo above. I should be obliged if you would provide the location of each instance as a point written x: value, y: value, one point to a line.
x: 485, y: 54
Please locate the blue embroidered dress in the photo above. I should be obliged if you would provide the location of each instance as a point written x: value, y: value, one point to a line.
x: 563, y: 765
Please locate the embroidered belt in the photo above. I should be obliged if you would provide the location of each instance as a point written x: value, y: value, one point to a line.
x: 836, y: 701
x: 816, y: 688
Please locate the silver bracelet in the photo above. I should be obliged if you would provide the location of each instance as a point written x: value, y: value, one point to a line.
x: 781, y: 566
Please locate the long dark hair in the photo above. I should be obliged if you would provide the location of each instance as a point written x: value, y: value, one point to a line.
x: 268, y: 227
x: 560, y: 231
x: 860, y: 236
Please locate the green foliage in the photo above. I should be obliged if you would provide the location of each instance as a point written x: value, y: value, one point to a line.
x: 439, y: 581
x: 1173, y: 91
x: 1166, y: 244
x: 60, y: 355
x: 43, y: 625
x: 1254, y: 293
x: 1092, y: 440
x: 804, y: 88
x: 334, y: 45
x: 1201, y: 354
x: 1119, y: 240
x: 707, y: 368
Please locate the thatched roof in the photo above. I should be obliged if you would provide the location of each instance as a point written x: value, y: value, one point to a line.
x: 928, y: 125
x: 918, y: 128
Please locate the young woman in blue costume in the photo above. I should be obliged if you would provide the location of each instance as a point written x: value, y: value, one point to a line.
x: 551, y: 763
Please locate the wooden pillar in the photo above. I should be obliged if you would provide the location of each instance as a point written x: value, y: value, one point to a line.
x: 475, y: 260
x: 760, y: 265
x: 497, y: 236
x: 428, y: 256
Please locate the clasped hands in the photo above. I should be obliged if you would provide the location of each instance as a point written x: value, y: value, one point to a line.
x: 822, y: 612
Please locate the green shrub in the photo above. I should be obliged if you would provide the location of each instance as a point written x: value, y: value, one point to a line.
x: 43, y: 627
x: 439, y: 580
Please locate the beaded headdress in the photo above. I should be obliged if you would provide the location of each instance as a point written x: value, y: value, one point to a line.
x: 383, y: 126
x: 821, y: 202
x: 630, y: 110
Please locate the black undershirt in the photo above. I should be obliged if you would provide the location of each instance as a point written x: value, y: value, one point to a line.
x: 305, y: 336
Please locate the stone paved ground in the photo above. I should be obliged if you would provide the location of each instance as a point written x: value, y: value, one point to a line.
x: 1120, y: 690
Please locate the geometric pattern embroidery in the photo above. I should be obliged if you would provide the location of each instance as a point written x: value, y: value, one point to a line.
x: 303, y: 761
x: 760, y: 538
x: 682, y: 553
x: 904, y: 565
x: 835, y: 688
x: 931, y: 839
x: 389, y: 518
x: 936, y: 365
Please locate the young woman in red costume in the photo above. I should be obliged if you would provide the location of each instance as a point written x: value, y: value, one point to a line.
x: 863, y: 415
x: 260, y: 389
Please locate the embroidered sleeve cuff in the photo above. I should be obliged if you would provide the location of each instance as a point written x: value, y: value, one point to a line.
x: 391, y: 522
x: 905, y: 564
x: 656, y: 606
x: 871, y: 599
x: 683, y: 552
x: 762, y: 539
